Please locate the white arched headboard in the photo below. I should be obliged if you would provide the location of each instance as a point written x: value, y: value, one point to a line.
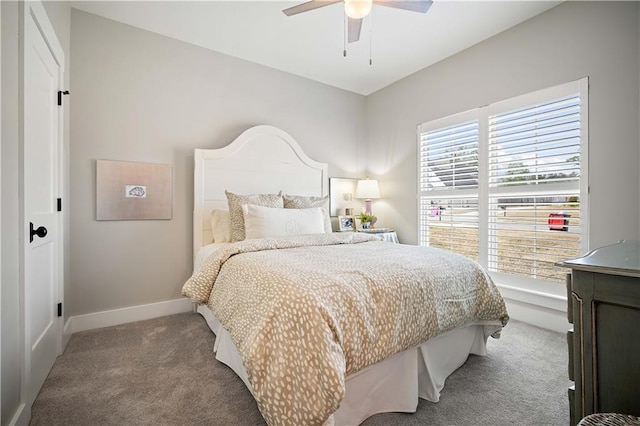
x: 263, y: 159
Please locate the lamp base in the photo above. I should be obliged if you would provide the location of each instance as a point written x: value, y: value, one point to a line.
x: 367, y: 206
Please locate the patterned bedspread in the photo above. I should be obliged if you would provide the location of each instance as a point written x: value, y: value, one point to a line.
x: 306, y: 311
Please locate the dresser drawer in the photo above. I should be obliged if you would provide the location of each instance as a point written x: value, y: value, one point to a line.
x: 570, y: 346
x: 569, y: 305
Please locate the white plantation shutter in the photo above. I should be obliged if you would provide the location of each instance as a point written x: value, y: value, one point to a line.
x: 449, y: 157
x: 450, y: 224
x: 506, y: 184
x: 534, y: 187
x: 528, y: 234
x: 536, y: 145
x: 448, y: 164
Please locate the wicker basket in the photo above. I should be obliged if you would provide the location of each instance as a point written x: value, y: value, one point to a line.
x: 609, y: 419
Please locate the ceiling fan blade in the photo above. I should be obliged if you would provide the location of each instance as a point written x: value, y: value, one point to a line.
x: 354, y: 27
x: 420, y: 6
x: 310, y: 5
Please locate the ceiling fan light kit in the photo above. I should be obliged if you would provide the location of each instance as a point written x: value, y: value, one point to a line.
x: 357, y: 9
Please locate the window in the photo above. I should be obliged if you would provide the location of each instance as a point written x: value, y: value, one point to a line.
x: 449, y: 180
x: 506, y: 184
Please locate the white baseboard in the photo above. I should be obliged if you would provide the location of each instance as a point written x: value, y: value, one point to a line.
x: 20, y: 416
x: 67, y: 331
x: 539, y: 309
x: 124, y: 315
x: 536, y: 308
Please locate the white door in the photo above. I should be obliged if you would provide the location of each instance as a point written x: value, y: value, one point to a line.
x: 41, y: 183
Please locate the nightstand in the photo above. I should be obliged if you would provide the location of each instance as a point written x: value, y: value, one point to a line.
x: 389, y: 235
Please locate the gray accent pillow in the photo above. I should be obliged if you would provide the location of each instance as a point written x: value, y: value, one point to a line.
x: 304, y: 202
x: 235, y: 209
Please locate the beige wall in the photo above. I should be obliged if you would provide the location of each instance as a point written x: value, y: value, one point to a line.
x: 599, y: 40
x: 138, y: 96
x: 59, y: 15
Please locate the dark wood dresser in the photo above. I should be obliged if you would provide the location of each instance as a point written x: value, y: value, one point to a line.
x: 604, y: 345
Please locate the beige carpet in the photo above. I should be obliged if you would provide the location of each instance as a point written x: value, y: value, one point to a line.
x: 162, y: 372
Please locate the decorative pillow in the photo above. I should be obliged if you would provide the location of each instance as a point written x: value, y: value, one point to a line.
x: 303, y: 202
x: 235, y: 209
x: 263, y: 222
x: 220, y: 226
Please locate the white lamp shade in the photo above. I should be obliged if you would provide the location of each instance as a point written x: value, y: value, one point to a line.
x: 367, y: 189
x: 357, y: 9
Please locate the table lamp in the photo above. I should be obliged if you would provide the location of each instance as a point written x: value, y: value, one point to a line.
x: 367, y: 189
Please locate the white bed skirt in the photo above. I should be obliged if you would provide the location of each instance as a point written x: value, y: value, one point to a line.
x: 391, y: 385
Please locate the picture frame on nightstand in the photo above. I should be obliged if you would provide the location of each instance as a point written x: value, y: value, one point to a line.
x: 346, y: 223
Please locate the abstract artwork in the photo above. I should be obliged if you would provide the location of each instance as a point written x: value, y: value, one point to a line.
x: 133, y: 191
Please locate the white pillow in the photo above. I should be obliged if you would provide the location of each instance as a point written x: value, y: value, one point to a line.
x: 236, y: 201
x: 220, y: 226
x: 263, y: 222
x: 307, y: 202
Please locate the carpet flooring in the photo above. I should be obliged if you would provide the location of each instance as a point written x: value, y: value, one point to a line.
x: 162, y: 372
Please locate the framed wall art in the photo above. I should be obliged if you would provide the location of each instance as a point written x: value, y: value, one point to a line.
x: 342, y: 199
x: 133, y: 191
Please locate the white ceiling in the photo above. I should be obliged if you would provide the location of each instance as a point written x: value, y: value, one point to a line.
x: 311, y: 44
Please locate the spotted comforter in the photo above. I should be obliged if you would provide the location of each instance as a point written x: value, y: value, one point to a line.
x: 306, y: 311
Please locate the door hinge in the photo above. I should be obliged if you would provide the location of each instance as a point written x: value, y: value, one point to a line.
x: 59, y: 309
x: 59, y: 204
x: 60, y: 93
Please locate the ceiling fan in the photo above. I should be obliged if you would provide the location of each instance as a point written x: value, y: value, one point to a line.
x: 356, y: 10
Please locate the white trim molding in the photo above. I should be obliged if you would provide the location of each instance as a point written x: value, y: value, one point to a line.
x: 20, y: 417
x: 95, y: 320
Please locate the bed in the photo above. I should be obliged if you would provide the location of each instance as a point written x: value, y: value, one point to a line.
x: 304, y: 320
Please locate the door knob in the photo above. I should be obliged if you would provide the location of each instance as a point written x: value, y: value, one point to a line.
x: 40, y: 232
